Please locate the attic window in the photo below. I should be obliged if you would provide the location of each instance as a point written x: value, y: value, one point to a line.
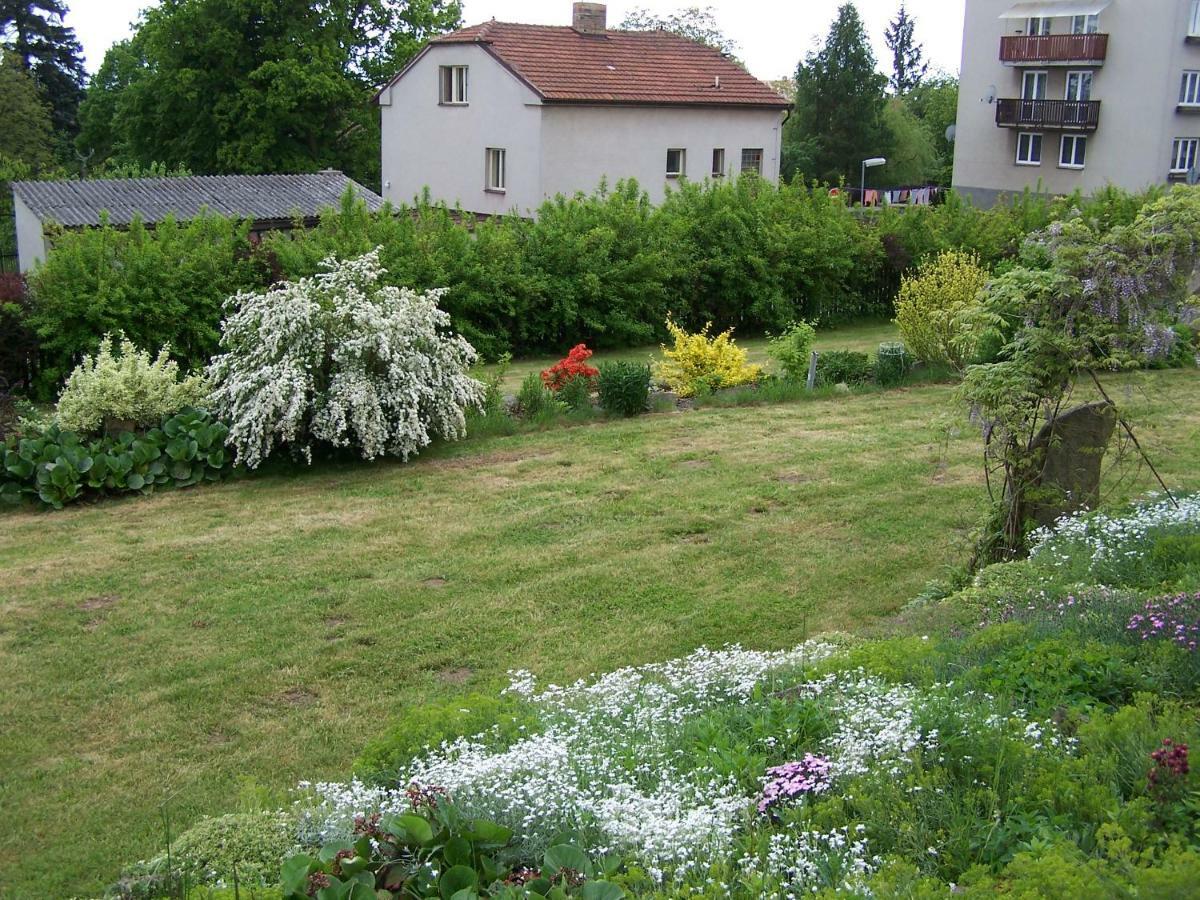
x: 453, y: 90
x: 676, y: 163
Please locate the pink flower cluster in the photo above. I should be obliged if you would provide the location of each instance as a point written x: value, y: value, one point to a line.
x: 1175, y: 618
x: 808, y: 776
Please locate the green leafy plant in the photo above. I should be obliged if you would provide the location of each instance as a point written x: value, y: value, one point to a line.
x: 844, y: 367
x: 56, y: 467
x: 624, y: 387
x: 434, y: 852
x: 792, y: 348
x: 535, y: 400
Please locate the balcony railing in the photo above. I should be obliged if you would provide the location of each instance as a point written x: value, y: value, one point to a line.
x: 1055, y: 115
x: 1019, y: 49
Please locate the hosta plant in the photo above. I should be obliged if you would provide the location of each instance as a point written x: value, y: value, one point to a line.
x: 341, y: 360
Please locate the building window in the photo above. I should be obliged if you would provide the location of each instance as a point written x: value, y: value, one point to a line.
x: 1073, y: 153
x: 1079, y: 86
x: 1085, y: 24
x: 1037, y: 25
x: 676, y: 163
x: 752, y: 160
x: 1033, y: 85
x: 718, y: 168
x: 453, y: 86
x: 1183, y: 155
x: 496, y: 165
x: 1029, y: 149
x: 1189, y: 91
x: 1194, y: 20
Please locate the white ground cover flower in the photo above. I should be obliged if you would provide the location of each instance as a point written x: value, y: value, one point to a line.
x: 343, y: 360
x: 1108, y: 538
x: 799, y: 861
x: 610, y: 764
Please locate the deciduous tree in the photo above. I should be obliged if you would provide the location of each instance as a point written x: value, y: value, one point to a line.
x: 697, y: 23
x: 256, y: 85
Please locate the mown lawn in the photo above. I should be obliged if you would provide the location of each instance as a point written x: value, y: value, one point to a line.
x: 153, y: 651
x: 865, y: 337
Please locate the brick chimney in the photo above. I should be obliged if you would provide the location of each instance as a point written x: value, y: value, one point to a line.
x: 589, y: 18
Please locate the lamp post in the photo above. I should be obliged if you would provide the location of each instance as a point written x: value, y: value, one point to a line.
x: 872, y: 163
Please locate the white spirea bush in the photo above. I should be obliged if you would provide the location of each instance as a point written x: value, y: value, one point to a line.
x: 122, y: 382
x: 342, y: 360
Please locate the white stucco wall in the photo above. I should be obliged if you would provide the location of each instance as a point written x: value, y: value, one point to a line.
x: 31, y: 242
x: 583, y: 144
x: 550, y: 149
x: 1138, y: 86
x: 443, y: 148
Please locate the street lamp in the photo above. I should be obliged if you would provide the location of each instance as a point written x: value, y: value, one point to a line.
x: 872, y: 163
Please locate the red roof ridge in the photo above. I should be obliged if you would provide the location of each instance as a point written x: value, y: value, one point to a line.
x: 642, y: 67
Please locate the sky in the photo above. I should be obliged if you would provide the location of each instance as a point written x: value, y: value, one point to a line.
x: 773, y: 35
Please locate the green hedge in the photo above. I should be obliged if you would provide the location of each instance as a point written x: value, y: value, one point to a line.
x: 605, y: 269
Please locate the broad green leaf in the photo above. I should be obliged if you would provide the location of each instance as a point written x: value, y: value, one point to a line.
x: 455, y: 879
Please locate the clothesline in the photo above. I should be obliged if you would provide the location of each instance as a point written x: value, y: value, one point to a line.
x: 909, y: 196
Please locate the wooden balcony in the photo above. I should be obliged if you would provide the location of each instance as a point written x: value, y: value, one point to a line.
x: 1050, y: 115
x: 1053, y: 49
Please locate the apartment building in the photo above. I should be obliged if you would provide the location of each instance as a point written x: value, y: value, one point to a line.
x: 1060, y: 96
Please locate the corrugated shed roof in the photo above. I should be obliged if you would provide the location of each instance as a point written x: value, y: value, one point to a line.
x: 258, y: 197
x: 645, y: 67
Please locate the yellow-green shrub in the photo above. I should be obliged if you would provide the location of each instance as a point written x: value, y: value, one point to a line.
x: 123, y: 383
x: 933, y: 310
x: 699, y: 361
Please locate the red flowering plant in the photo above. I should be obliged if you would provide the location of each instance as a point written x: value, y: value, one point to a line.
x: 566, y: 370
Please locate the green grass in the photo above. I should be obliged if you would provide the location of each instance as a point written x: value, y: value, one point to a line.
x: 154, y: 650
x: 861, y: 336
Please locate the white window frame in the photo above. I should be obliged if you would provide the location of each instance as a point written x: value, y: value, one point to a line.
x: 1085, y: 76
x: 680, y: 170
x: 1037, y: 26
x: 1075, y: 140
x: 1184, y: 155
x: 1028, y: 138
x: 495, y: 177
x: 1189, y: 89
x: 718, y: 162
x: 452, y: 85
x: 1039, y: 76
x: 1194, y: 20
x: 1087, y: 24
x: 756, y: 165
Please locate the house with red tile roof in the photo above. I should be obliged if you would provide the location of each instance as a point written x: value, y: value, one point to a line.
x: 498, y: 117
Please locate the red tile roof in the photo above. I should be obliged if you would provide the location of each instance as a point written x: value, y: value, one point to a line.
x: 563, y: 65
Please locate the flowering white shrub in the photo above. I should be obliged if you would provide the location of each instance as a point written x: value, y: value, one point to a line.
x: 341, y: 360
x: 122, y: 382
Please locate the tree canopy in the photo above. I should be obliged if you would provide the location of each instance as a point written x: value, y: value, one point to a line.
x: 34, y: 32
x: 909, y: 67
x: 256, y: 85
x: 840, y: 101
x: 699, y: 24
x: 27, y: 138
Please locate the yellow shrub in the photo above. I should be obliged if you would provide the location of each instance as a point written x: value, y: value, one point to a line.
x: 697, y: 361
x: 933, y: 310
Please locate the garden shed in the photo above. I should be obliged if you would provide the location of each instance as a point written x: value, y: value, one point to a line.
x: 273, y: 202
